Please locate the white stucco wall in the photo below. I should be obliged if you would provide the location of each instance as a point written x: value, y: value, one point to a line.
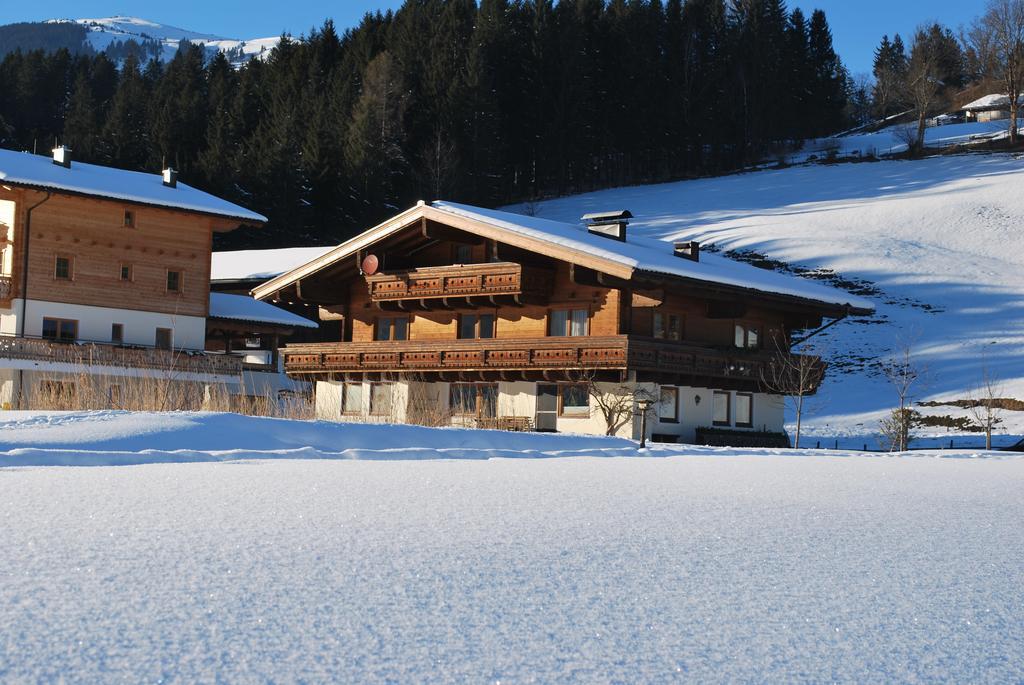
x: 94, y: 323
x: 6, y: 220
x: 519, y: 398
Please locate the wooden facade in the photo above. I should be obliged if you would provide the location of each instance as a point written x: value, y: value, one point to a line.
x: 453, y: 298
x: 118, y: 254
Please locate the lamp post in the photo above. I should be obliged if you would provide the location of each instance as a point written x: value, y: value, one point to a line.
x: 643, y: 405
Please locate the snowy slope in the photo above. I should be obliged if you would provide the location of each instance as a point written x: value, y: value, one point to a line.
x: 684, y: 569
x: 892, y: 140
x: 940, y: 239
x: 105, y: 31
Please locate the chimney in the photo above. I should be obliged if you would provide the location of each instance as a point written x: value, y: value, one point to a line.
x: 608, y: 224
x: 170, y: 178
x: 62, y: 156
x: 687, y: 250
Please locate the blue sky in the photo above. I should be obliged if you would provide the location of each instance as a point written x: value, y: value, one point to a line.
x: 857, y: 24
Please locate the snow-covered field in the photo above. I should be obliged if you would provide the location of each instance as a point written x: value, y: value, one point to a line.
x: 939, y: 239
x: 892, y: 140
x: 671, y: 565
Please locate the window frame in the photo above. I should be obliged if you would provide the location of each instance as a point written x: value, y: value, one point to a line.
x: 119, y: 329
x: 345, y: 389
x: 70, y: 259
x: 181, y: 282
x: 573, y: 412
x: 747, y: 328
x: 131, y: 272
x: 129, y: 219
x: 375, y: 411
x: 715, y: 394
x: 391, y: 328
x: 479, y: 398
x: 170, y: 339
x: 664, y: 321
x: 457, y: 256
x: 477, y: 330
x: 675, y: 404
x: 60, y: 324
x: 749, y: 397
x: 567, y: 333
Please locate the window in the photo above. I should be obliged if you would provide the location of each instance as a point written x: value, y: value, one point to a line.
x: 463, y: 254
x: 117, y: 333
x: 667, y: 326
x: 572, y: 322
x: 476, y: 326
x: 720, y: 409
x: 352, y: 398
x: 668, y: 404
x: 62, y: 268
x: 174, y: 281
x: 65, y: 330
x: 129, y: 218
x: 744, y: 410
x: 474, y: 399
x: 393, y: 328
x: 381, y: 398
x: 127, y: 272
x: 574, y: 400
x: 164, y: 338
x: 748, y: 336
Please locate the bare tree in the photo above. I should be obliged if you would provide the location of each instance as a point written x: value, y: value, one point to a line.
x: 996, y: 41
x: 794, y: 376
x: 616, y: 402
x: 985, y: 406
x: 934, y: 69
x: 904, y: 374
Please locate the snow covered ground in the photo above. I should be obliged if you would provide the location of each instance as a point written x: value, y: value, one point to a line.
x: 892, y: 140
x: 935, y: 244
x: 672, y: 565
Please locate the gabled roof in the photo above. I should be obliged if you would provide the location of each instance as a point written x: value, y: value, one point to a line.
x: 993, y: 101
x: 36, y: 171
x: 244, y: 308
x: 632, y: 258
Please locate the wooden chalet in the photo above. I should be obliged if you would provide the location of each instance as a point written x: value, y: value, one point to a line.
x: 104, y: 272
x: 456, y: 314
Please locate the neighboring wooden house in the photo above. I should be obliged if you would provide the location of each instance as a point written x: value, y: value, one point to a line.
x: 463, y: 315
x: 106, y: 273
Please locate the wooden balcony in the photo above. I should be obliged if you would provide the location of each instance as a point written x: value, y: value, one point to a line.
x: 461, y: 281
x: 623, y: 353
x: 6, y: 290
x: 84, y: 356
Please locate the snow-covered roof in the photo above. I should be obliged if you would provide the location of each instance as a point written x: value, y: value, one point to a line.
x: 646, y: 254
x: 22, y: 168
x: 244, y: 308
x: 992, y: 101
x: 245, y: 265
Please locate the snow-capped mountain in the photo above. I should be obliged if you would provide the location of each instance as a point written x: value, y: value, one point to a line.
x: 163, y: 40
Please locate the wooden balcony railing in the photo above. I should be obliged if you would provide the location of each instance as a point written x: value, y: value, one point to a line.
x: 621, y: 352
x: 6, y: 290
x: 469, y: 280
x: 90, y: 354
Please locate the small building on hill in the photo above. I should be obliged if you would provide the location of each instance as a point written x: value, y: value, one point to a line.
x: 105, y: 284
x: 993, y: 107
x: 456, y: 315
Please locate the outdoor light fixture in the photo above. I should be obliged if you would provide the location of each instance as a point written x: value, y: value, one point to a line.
x: 644, y: 406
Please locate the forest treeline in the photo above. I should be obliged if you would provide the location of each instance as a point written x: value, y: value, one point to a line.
x: 493, y: 103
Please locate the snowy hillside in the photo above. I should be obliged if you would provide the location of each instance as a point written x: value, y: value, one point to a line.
x: 936, y: 244
x: 106, y: 31
x: 409, y: 555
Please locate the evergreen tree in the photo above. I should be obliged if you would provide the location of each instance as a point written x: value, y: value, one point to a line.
x: 125, y: 140
x: 828, y: 86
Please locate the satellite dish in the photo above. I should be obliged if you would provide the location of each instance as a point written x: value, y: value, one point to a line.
x: 370, y: 265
